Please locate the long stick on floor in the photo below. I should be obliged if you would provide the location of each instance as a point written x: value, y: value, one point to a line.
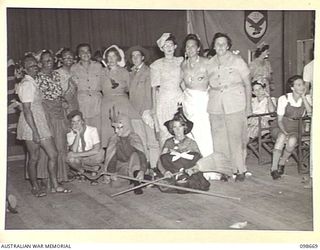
x: 141, y: 185
x: 176, y: 187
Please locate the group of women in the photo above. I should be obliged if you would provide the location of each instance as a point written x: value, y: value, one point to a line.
x: 215, y: 94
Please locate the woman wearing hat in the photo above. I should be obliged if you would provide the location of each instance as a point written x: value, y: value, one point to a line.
x: 262, y: 103
x: 180, y: 153
x: 69, y: 88
x: 165, y: 82
x: 195, y: 98
x: 140, y: 98
x: 49, y: 84
x: 115, y: 91
x: 260, y: 67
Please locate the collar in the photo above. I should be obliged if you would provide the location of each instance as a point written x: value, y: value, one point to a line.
x: 28, y: 77
x: 137, y: 68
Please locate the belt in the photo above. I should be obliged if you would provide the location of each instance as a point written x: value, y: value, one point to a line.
x: 229, y: 86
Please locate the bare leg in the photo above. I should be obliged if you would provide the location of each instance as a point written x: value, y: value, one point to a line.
x: 277, y: 151
x: 33, y: 151
x: 50, y: 148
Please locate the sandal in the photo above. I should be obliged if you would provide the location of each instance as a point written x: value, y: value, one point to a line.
x: 61, y: 189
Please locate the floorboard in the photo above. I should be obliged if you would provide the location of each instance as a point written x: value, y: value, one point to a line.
x: 265, y: 205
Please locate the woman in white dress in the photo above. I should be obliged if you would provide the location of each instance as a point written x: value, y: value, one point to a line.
x: 195, y: 98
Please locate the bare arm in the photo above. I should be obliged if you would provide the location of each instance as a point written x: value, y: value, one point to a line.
x: 271, y: 106
x: 96, y: 148
x: 75, y: 145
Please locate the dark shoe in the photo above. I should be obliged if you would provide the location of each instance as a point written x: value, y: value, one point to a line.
x: 275, y: 174
x: 281, y: 169
x: 138, y: 191
x: 224, y: 177
x: 240, y: 177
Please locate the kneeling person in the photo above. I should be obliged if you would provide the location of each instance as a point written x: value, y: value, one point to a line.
x: 84, y: 144
x: 125, y: 152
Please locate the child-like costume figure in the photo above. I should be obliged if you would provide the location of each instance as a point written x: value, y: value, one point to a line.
x: 179, y: 153
x: 125, y: 152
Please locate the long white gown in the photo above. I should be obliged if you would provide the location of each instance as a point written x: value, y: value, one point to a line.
x: 195, y: 101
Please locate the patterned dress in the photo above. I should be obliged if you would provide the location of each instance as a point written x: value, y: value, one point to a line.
x: 253, y: 122
x: 166, y: 75
x: 51, y: 90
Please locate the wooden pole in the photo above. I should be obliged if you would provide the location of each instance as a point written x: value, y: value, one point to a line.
x: 141, y: 185
x: 176, y: 187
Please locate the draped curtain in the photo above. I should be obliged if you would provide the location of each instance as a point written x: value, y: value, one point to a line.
x: 36, y: 29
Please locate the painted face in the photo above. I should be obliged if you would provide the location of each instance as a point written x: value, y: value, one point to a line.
x: 47, y: 61
x: 84, y: 54
x: 67, y: 59
x: 31, y: 67
x: 258, y: 90
x: 118, y: 129
x: 221, y: 46
x: 112, y: 58
x: 122, y: 127
x: 299, y: 86
x: 76, y: 122
x: 191, y: 48
x: 137, y: 58
x: 178, y: 129
x: 169, y: 47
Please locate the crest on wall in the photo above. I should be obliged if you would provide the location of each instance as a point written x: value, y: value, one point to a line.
x: 255, y: 24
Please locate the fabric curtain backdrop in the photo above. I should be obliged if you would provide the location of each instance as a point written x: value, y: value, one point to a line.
x: 37, y: 29
x: 207, y: 23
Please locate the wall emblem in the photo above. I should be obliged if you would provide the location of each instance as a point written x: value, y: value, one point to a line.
x: 255, y: 24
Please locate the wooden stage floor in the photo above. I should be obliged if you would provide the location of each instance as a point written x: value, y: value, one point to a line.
x: 265, y: 205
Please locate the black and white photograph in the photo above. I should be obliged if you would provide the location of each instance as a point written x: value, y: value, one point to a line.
x: 143, y: 118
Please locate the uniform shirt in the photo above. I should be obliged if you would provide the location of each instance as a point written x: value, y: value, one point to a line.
x: 284, y: 99
x: 89, y: 83
x: 91, y: 137
x: 227, y: 91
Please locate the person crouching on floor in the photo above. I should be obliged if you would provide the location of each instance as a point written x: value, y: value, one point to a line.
x: 84, y: 145
x: 180, y: 153
x: 125, y: 152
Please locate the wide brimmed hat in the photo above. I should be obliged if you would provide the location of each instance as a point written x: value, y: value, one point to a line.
x: 144, y: 51
x: 162, y: 40
x: 179, y: 116
x: 122, y: 62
